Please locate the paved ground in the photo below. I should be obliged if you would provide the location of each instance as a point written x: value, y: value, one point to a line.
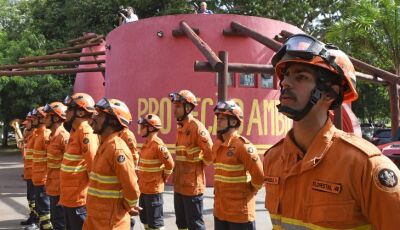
x: 13, y: 204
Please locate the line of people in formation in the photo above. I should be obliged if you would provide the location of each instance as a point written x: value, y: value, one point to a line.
x: 317, y: 177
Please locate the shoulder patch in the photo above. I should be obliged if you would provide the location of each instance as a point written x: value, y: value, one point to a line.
x: 274, y: 145
x: 386, y: 178
x: 163, y: 149
x: 365, y: 146
x: 121, y: 159
x: 85, y: 141
x: 202, y: 133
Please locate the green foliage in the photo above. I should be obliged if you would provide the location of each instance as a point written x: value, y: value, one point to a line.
x: 371, y: 33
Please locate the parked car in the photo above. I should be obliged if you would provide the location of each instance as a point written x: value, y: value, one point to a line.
x: 392, y: 150
x: 367, y: 130
x: 383, y: 136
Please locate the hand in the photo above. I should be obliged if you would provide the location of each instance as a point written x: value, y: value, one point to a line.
x: 165, y: 177
x: 135, y: 211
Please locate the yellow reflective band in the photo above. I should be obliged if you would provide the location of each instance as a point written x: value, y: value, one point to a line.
x: 102, y: 193
x: 103, y: 179
x: 131, y: 203
x: 183, y: 229
x: 28, y: 157
x: 180, y: 148
x: 160, y: 228
x: 48, y: 226
x: 149, y: 161
x: 72, y: 157
x: 53, y: 157
x: 236, y: 179
x: 73, y: 169
x: 44, y: 217
x: 193, y: 150
x: 167, y: 171
x: 39, y: 159
x: 183, y: 158
x: 53, y: 165
x: 229, y: 168
x: 39, y: 152
x: 257, y: 186
x: 150, y: 169
x: 280, y: 222
x: 29, y: 150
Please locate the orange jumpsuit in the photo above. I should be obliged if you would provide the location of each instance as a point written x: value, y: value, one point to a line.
x: 155, y: 166
x: 193, y: 153
x: 341, y: 182
x: 55, y: 151
x: 113, y: 189
x: 238, y: 176
x: 76, y: 165
x: 28, y: 154
x: 39, y: 161
x: 126, y: 135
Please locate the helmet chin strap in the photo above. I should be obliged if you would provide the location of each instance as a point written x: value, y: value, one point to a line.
x: 148, y: 132
x: 185, y: 114
x: 297, y: 115
x: 222, y: 132
x: 104, y: 125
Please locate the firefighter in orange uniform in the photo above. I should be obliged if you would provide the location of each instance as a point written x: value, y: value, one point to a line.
x: 193, y: 154
x: 78, y: 159
x: 113, y: 189
x: 56, y: 115
x: 155, y: 166
x: 319, y: 177
x: 39, y: 168
x: 238, y: 172
x: 29, y: 138
x: 129, y: 138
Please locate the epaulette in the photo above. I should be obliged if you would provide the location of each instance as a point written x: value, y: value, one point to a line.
x: 274, y: 145
x: 364, y: 146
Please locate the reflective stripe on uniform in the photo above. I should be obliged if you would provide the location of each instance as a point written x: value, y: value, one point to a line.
x: 168, y: 171
x: 44, y: 217
x: 229, y: 168
x: 183, y: 158
x: 280, y: 222
x: 150, y: 169
x: 232, y: 179
x: 103, y: 193
x: 149, y: 161
x: 28, y: 157
x: 193, y: 150
x: 258, y: 186
x: 72, y: 157
x: 74, y: 169
x: 53, y: 165
x: 103, y: 179
x: 39, y: 152
x: 53, y: 157
x: 131, y: 203
x: 37, y: 159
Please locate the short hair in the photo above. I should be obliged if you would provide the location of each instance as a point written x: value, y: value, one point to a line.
x: 129, y: 8
x: 203, y: 3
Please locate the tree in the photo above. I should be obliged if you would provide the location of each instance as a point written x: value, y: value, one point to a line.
x: 372, y: 34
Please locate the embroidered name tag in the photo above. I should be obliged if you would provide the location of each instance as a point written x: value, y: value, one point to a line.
x: 271, y: 180
x: 326, y: 186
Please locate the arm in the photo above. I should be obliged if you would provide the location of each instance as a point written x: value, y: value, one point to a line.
x: 249, y: 157
x: 381, y: 193
x: 205, y: 143
x: 90, y: 143
x: 165, y: 157
x: 125, y: 172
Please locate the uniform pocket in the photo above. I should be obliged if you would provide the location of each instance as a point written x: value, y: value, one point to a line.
x: 340, y: 211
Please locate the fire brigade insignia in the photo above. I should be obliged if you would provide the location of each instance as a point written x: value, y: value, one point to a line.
x: 85, y: 140
x: 386, y: 179
x: 121, y: 158
x: 230, y: 152
x: 130, y: 140
x: 163, y: 149
x: 250, y: 149
x: 203, y: 133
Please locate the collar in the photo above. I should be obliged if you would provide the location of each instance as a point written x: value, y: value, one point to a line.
x: 228, y: 141
x: 316, y: 151
x: 184, y: 124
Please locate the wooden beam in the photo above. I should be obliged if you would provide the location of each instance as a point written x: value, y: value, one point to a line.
x: 77, y: 47
x: 236, y: 67
x: 46, y: 64
x: 59, y: 56
x: 204, y: 48
x: 394, y: 107
x: 223, y: 77
x: 53, y: 71
x: 244, y: 30
x: 83, y: 38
